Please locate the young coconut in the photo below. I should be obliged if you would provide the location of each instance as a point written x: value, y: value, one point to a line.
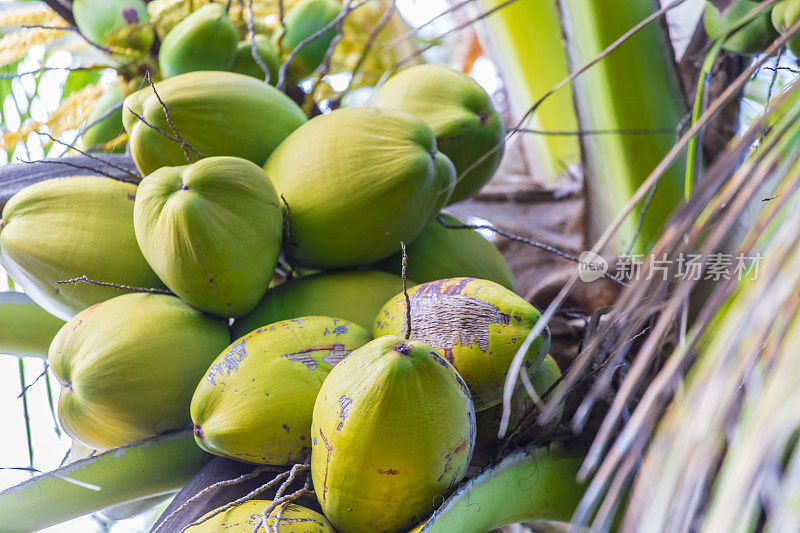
x: 245, y: 63
x: 441, y: 252
x: 304, y: 19
x: 354, y: 295
x: 110, y: 127
x: 461, y: 115
x: 216, y: 113
x: 212, y: 231
x: 393, y: 432
x: 784, y: 15
x: 255, y: 402
x: 478, y: 325
x: 65, y: 228
x: 750, y: 39
x: 204, y: 40
x: 128, y: 367
x: 116, y: 24
x: 243, y: 518
x: 372, y: 179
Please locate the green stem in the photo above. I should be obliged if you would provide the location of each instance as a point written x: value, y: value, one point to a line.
x: 528, y: 485
x: 25, y: 412
x: 693, y: 157
x: 159, y: 465
x: 50, y: 401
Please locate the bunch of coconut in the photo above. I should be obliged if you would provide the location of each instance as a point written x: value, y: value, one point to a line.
x: 205, y: 40
x: 178, y: 319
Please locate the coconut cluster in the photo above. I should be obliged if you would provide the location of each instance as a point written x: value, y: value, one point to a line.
x: 332, y: 362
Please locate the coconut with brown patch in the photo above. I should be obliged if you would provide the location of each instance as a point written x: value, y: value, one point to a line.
x: 477, y: 324
x: 393, y: 432
x: 244, y: 517
x: 254, y: 403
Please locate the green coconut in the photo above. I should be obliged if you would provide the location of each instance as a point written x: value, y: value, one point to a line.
x: 784, y: 15
x: 204, y: 40
x: 114, y: 23
x: 304, y: 19
x: 110, y: 127
x: 478, y: 325
x: 441, y: 252
x: 358, y: 181
x: 212, y: 231
x: 355, y: 295
x: 128, y: 367
x: 392, y: 434
x: 255, y: 402
x: 65, y: 228
x: 243, y: 517
x: 217, y: 113
x: 244, y: 63
x: 752, y: 38
x: 461, y: 115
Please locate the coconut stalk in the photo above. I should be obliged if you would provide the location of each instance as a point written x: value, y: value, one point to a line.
x: 526, y: 486
x: 524, y: 38
x: 147, y: 468
x: 635, y: 94
x: 25, y: 328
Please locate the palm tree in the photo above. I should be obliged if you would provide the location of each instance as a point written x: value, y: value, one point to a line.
x: 674, y: 163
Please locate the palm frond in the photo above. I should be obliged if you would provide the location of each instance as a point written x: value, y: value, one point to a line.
x: 738, y: 345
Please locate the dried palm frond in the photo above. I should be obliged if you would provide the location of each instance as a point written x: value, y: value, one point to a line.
x: 738, y: 347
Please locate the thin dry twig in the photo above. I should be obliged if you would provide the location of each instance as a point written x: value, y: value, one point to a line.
x: 325, y: 68
x: 384, y: 20
x: 730, y: 92
x: 525, y: 240
x: 580, y: 133
x: 346, y: 10
x: 31, y: 384
x: 69, y: 164
x: 100, y: 119
x: 251, y: 37
x: 184, y: 145
x: 85, y: 279
x: 211, y: 488
x: 404, y: 267
x: 9, y: 75
x: 414, y: 31
x: 249, y: 496
x: 134, y: 178
x: 280, y: 498
x: 287, y: 240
